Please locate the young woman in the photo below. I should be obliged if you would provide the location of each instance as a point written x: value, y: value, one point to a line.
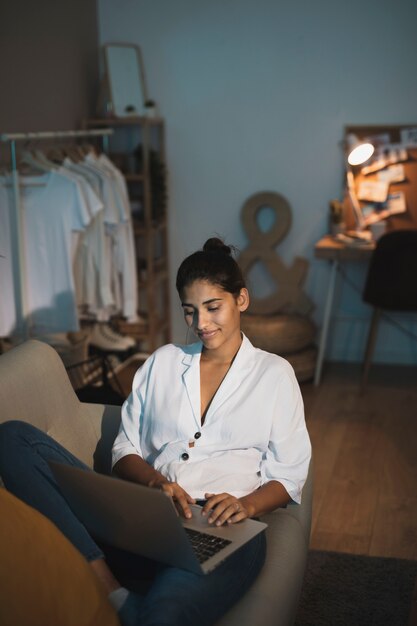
x: 218, y: 420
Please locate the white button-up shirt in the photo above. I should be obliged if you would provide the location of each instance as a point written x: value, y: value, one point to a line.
x: 254, y: 430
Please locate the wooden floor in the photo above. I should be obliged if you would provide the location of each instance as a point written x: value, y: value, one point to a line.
x: 365, y: 460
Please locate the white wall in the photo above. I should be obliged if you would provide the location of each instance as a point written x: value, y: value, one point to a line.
x: 255, y: 96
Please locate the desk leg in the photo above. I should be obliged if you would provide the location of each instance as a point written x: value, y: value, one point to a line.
x: 326, y: 322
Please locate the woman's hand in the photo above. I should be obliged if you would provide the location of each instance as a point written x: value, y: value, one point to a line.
x: 223, y: 508
x: 180, y: 497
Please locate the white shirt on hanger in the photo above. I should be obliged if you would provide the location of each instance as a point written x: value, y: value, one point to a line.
x: 111, y: 211
x: 91, y: 265
x: 122, y: 194
x: 51, y: 214
x: 7, y: 296
x: 124, y: 271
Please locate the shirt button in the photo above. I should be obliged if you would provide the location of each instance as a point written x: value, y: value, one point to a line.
x: 185, y: 456
x: 197, y: 435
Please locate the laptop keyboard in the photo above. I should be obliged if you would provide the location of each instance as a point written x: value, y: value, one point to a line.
x: 205, y: 545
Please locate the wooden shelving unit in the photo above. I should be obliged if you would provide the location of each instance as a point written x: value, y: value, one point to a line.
x: 136, y: 142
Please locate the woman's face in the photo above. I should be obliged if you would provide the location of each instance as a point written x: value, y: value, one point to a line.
x: 213, y: 314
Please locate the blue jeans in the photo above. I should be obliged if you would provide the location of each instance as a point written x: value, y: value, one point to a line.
x: 173, y: 596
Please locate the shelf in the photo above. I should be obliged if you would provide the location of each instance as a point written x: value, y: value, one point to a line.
x: 125, y: 121
x: 140, y: 330
x: 134, y: 178
x: 146, y: 182
x: 158, y: 278
x: 139, y: 228
x: 159, y: 267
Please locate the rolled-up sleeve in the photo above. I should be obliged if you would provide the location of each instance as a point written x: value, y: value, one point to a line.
x: 128, y: 437
x: 288, y: 455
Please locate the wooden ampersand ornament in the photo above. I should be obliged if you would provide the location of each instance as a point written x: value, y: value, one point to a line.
x: 289, y: 296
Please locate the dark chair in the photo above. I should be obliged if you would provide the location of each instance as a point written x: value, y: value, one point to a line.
x: 391, y: 283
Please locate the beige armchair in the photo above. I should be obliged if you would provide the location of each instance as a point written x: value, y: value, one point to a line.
x: 34, y: 387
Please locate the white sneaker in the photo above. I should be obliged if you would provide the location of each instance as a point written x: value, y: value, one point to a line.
x: 109, y: 332
x: 104, y: 338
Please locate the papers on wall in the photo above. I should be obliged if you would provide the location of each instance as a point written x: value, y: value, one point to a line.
x: 393, y: 174
x: 386, y: 185
x: 385, y: 156
x: 379, y: 140
x: 395, y: 204
x: 409, y: 137
x: 373, y: 191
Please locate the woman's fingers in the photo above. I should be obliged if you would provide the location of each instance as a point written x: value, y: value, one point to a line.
x: 183, y: 502
x: 222, y: 508
x: 180, y: 497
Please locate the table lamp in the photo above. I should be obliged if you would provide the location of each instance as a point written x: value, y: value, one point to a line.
x: 358, y: 153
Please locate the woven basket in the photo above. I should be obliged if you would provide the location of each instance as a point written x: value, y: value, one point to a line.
x: 304, y: 363
x: 279, y: 334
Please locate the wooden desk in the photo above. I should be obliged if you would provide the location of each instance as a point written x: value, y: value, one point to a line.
x: 331, y: 250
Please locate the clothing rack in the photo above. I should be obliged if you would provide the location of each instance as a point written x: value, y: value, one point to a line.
x: 19, y: 266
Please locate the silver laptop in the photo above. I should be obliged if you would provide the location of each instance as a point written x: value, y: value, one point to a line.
x: 145, y: 521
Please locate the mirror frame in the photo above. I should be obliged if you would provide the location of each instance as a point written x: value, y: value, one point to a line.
x: 127, y: 100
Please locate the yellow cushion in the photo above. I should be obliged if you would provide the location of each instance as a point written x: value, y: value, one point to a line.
x: 44, y: 580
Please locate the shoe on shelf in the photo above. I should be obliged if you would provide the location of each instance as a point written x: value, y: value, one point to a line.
x: 105, y: 338
x: 128, y: 341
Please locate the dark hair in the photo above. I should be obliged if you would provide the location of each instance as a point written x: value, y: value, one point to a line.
x: 215, y: 264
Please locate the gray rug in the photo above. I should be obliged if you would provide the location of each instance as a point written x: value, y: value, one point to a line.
x: 349, y: 589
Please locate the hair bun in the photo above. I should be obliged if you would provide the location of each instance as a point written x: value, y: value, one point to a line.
x: 214, y: 244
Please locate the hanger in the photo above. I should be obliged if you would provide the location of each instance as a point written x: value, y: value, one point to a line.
x: 44, y: 160
x: 54, y: 157
x: 33, y: 168
x: 73, y: 152
x: 28, y: 158
x: 88, y: 148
